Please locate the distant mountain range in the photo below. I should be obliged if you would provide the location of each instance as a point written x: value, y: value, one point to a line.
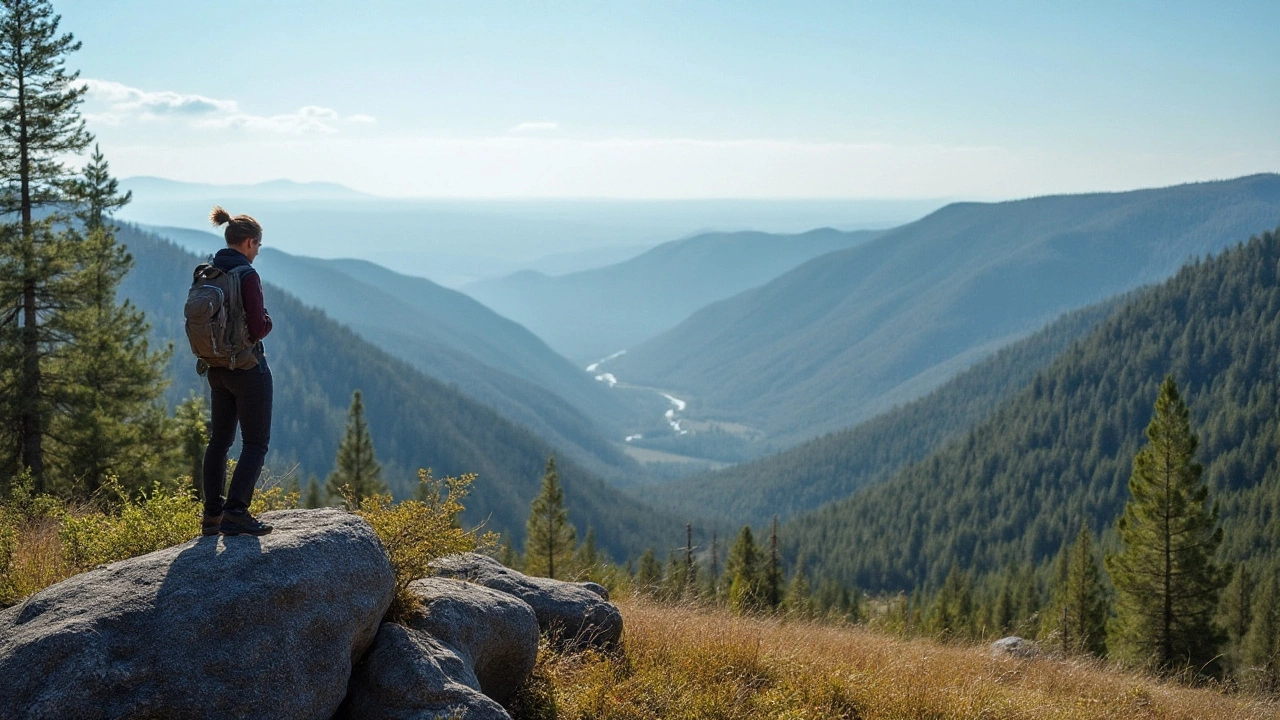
x: 1058, y: 454
x: 853, y: 333
x: 839, y: 464
x: 416, y: 421
x: 450, y: 337
x: 148, y: 189
x: 594, y: 313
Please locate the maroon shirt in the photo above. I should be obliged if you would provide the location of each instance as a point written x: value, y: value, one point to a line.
x: 254, y: 312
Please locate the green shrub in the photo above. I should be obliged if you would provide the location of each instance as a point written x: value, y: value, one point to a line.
x: 415, y: 532
x: 160, y: 519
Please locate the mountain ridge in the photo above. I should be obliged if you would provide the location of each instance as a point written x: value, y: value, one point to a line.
x: 852, y: 333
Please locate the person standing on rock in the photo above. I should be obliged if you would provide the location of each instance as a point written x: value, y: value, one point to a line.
x: 240, y: 394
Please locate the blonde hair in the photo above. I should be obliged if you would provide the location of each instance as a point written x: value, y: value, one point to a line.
x: 239, y: 228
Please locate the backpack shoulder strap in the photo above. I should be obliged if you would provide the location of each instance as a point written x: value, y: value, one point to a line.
x: 240, y: 271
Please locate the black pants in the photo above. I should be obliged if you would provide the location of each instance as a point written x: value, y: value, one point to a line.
x: 243, y: 397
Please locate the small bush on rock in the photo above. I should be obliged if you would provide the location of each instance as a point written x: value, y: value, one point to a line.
x: 159, y: 519
x: 415, y: 532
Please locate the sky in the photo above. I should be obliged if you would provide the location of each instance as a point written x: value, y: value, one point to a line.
x: 654, y: 99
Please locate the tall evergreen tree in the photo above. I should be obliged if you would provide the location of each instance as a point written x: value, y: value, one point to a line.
x: 1235, y: 613
x: 799, y: 598
x: 771, y: 581
x: 1165, y: 576
x: 105, y: 381
x: 954, y: 609
x: 549, y: 537
x: 40, y: 126
x: 357, y: 474
x: 649, y: 574
x: 1078, y: 615
x: 743, y: 570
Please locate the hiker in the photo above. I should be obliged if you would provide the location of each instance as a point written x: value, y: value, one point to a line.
x: 239, y: 394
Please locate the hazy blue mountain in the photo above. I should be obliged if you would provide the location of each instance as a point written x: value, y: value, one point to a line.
x: 147, y: 189
x: 415, y: 421
x: 841, y: 463
x: 855, y: 332
x: 454, y: 242
x: 1059, y: 453
x: 589, y: 315
x: 455, y: 339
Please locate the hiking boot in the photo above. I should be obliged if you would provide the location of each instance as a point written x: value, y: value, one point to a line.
x: 240, y: 522
x: 210, y: 524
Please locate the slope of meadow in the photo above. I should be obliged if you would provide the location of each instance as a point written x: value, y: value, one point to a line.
x: 680, y: 662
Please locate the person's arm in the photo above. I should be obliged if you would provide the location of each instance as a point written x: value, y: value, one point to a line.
x: 254, y: 311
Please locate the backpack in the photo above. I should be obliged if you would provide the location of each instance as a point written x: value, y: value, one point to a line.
x: 216, y: 324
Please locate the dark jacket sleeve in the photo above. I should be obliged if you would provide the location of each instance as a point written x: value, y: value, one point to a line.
x: 254, y: 312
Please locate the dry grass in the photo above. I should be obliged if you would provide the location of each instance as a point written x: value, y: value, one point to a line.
x: 680, y: 662
x: 36, y: 561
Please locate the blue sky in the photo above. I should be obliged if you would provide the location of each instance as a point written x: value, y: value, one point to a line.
x: 684, y: 99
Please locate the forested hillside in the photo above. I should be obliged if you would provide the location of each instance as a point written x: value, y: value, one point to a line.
x: 454, y: 339
x: 837, y: 465
x: 415, y: 421
x: 594, y: 313
x: 1059, y: 453
x: 853, y: 333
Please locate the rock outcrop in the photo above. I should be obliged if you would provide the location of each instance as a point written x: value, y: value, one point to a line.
x: 460, y: 653
x: 239, y: 627
x: 569, y: 613
x: 1015, y: 647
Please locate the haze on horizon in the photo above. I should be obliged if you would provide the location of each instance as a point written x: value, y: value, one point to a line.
x: 683, y: 100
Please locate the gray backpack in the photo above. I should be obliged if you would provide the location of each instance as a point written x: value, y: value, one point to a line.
x: 216, y: 324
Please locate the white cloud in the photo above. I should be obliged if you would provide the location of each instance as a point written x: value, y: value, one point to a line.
x: 125, y: 100
x: 120, y: 103
x: 541, y: 126
x: 309, y: 119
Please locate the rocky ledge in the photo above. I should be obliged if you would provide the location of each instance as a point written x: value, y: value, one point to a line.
x: 288, y: 625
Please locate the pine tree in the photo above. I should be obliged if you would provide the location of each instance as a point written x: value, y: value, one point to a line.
x: 314, y: 497
x: 798, y: 600
x: 1078, y: 613
x: 105, y: 382
x: 549, y: 537
x: 743, y: 569
x: 357, y: 474
x: 193, y: 434
x: 1236, y: 613
x: 1165, y: 577
x: 586, y: 559
x: 1261, y: 653
x: 40, y: 126
x: 771, y: 581
x: 508, y: 556
x: 649, y: 574
x: 953, y: 609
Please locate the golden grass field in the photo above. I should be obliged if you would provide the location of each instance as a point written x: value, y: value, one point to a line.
x: 687, y: 663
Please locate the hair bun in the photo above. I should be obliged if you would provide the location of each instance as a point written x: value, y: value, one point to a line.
x: 219, y: 216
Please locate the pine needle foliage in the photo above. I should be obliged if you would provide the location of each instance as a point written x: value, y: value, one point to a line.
x: 357, y: 474
x: 40, y: 126
x: 549, y: 537
x: 1261, y: 645
x: 1165, y: 576
x: 746, y: 594
x: 1077, y: 618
